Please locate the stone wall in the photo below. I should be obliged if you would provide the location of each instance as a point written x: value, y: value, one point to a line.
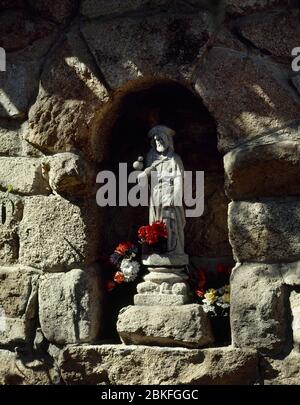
x: 71, y: 66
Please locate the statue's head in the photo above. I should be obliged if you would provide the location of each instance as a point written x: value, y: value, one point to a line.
x: 162, y: 138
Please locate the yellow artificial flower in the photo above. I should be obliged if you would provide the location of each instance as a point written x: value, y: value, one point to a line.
x: 211, y: 295
x: 226, y: 298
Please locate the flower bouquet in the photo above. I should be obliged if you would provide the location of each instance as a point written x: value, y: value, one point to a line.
x: 212, y: 292
x: 215, y: 299
x: 123, y: 261
x: 153, y: 237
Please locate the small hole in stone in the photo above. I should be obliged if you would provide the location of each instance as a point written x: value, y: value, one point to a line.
x: 3, y: 213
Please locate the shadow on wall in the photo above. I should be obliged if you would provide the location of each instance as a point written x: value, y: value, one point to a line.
x: 134, y: 113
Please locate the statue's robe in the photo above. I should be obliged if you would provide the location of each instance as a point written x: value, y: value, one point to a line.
x: 166, y: 197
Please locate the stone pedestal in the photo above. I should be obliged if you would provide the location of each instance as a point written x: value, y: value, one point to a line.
x: 158, y: 325
x: 166, y: 282
x: 162, y: 314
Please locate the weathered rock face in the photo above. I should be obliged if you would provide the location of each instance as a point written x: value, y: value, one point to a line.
x: 57, y: 11
x: 178, y: 325
x: 276, y: 33
x: 70, y: 175
x: 248, y: 6
x: 69, y: 306
x: 10, y: 144
x: 56, y: 234
x: 126, y: 49
x: 92, y: 8
x: 18, y: 298
x: 258, y: 310
x: 281, y: 371
x: 6, y: 4
x: 290, y: 273
x: 267, y: 230
x: 263, y: 170
x: 30, y: 42
x: 26, y: 370
x: 18, y: 29
x: 266, y: 104
x: 295, y: 308
x: 65, y: 114
x: 11, y: 215
x: 23, y: 174
x: 100, y: 8
x: 121, y: 365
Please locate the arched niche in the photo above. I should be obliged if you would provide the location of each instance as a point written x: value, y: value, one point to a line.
x: 132, y: 112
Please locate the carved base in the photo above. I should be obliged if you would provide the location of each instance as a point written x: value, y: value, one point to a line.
x: 160, y: 299
x: 163, y: 286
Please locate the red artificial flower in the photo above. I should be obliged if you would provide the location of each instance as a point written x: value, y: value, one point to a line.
x: 110, y: 285
x: 151, y: 234
x: 200, y: 293
x: 159, y: 228
x: 119, y: 277
x: 123, y: 247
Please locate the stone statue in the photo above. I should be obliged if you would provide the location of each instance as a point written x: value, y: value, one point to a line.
x: 165, y: 285
x: 165, y: 170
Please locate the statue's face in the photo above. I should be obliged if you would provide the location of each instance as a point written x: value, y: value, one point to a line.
x: 160, y: 144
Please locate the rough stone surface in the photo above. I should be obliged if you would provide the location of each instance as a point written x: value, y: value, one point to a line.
x: 126, y: 49
x: 266, y: 103
x: 6, y: 4
x: 295, y: 307
x: 19, y: 83
x: 274, y: 33
x: 266, y: 230
x: 56, y: 234
x: 18, y: 29
x: 290, y: 273
x: 296, y: 82
x: 250, y: 6
x: 57, y: 11
x: 26, y: 370
x: 66, y: 112
x: 100, y: 8
x: 69, y: 306
x: 11, y: 213
x: 182, y: 325
x: 23, y: 174
x: 16, y: 332
x: 136, y: 365
x: 258, y: 308
x: 263, y: 170
x: 18, y: 303
x: 281, y: 371
x: 10, y: 143
x: 69, y: 174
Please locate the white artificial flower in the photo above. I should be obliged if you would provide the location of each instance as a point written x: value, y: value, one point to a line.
x: 130, y: 269
x: 207, y: 307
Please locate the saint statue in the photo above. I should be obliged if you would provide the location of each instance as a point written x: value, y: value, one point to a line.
x: 165, y: 173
